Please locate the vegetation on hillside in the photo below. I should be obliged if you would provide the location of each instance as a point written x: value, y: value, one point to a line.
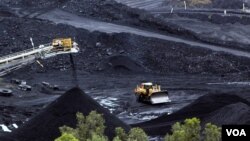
x: 190, y: 130
x: 91, y: 128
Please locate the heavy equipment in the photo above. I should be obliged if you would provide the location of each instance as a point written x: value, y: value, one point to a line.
x: 5, y: 92
x: 22, y: 85
x: 16, y: 60
x: 147, y: 92
x: 48, y: 85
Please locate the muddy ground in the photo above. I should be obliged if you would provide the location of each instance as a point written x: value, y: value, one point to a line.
x: 111, y: 64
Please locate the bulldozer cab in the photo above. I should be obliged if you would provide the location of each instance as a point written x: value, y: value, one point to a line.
x: 62, y: 44
x: 147, y: 85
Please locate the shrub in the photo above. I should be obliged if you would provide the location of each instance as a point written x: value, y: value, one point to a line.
x: 190, y: 130
x: 120, y: 134
x: 212, y: 132
x: 89, y: 128
x: 66, y: 137
x: 137, y: 134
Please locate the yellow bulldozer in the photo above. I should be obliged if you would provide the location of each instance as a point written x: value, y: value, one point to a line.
x: 147, y: 92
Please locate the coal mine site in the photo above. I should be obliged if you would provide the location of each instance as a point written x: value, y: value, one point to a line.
x: 146, y: 64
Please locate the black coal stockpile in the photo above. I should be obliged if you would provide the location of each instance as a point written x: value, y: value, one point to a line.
x: 237, y: 113
x: 233, y: 4
x: 208, y: 108
x: 125, y: 63
x: 44, y: 126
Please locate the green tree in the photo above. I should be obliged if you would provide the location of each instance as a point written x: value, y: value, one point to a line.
x: 93, y: 123
x: 179, y: 133
x: 192, y: 129
x: 68, y: 130
x: 212, y: 132
x: 81, y: 128
x: 96, y: 137
x: 117, y: 139
x: 137, y: 134
x: 177, y: 136
x: 66, y: 137
x: 189, y: 131
x: 120, y: 134
x: 88, y: 128
x: 176, y: 127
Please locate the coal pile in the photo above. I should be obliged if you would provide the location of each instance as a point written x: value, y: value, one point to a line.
x: 226, y: 115
x: 33, y: 4
x: 191, y: 60
x: 208, y: 108
x: 124, y: 63
x: 44, y: 126
x: 107, y: 10
x: 112, y: 11
x: 234, y: 4
x: 166, y: 57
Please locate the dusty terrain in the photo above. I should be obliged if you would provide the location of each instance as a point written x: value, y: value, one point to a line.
x: 192, y: 55
x: 168, y: 4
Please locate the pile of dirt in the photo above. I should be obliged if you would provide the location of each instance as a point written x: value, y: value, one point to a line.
x: 124, y: 63
x: 105, y: 10
x: 112, y: 11
x: 154, y: 55
x: 33, y: 4
x: 157, y: 56
x: 45, y: 126
x: 226, y: 115
x: 173, y: 57
x: 205, y: 108
x: 230, y: 4
x: 5, y: 11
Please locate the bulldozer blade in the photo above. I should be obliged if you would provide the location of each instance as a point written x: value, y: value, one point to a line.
x: 159, y: 97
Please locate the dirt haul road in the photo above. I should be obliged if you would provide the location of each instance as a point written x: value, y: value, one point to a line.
x: 61, y: 17
x: 142, y: 4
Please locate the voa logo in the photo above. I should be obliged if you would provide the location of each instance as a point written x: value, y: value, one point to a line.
x: 236, y: 132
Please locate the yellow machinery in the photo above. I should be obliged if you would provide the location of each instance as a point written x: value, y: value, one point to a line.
x: 147, y: 92
x: 16, y: 60
x: 62, y: 44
